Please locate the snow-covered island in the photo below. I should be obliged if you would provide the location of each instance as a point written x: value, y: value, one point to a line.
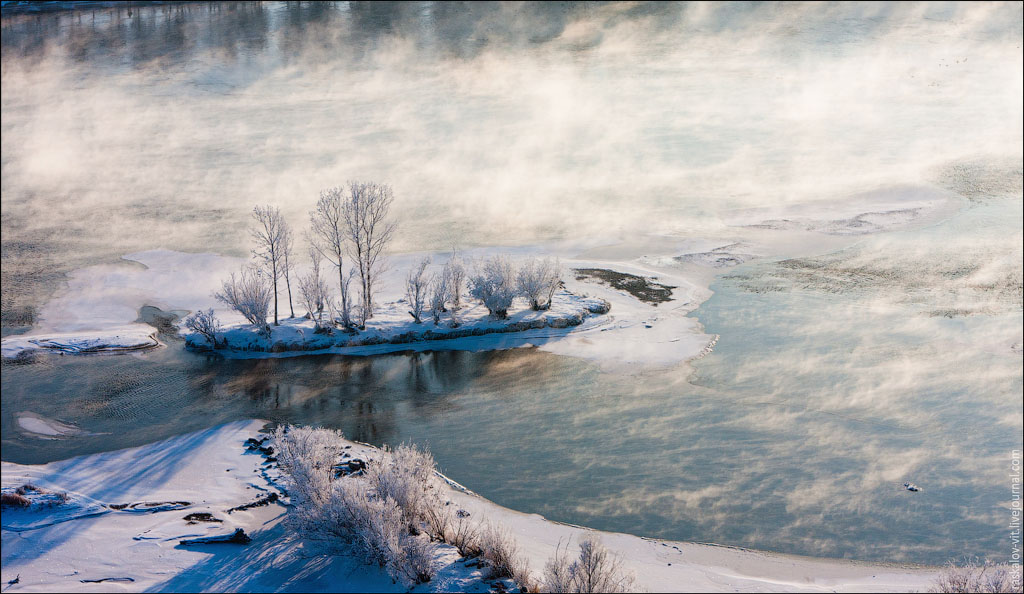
x: 622, y: 301
x: 393, y: 326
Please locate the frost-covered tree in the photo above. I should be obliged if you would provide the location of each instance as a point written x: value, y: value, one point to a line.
x: 494, y: 283
x: 249, y: 293
x: 205, y: 324
x: 287, y: 266
x: 329, y: 233
x: 416, y: 289
x: 439, y: 295
x: 313, y: 290
x: 455, y: 279
x: 538, y: 280
x: 595, y: 570
x: 273, y: 241
x: 369, y: 231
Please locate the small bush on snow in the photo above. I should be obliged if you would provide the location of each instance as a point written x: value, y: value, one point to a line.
x: 977, y: 577
x: 377, y: 528
x: 351, y: 510
x: 406, y: 475
x: 455, y: 528
x: 595, y: 570
x: 205, y: 324
x: 501, y: 552
x: 249, y: 293
x: 416, y: 286
x: 538, y: 280
x: 494, y: 283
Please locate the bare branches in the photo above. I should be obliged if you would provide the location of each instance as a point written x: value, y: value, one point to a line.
x: 455, y: 275
x: 328, y: 230
x: 313, y: 290
x: 537, y: 281
x: 273, y: 241
x: 205, y: 324
x: 249, y: 294
x: 416, y: 289
x: 439, y: 294
x: 365, y: 214
x: 286, y: 262
x: 595, y: 570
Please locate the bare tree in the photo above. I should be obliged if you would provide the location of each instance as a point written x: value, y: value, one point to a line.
x: 455, y: 273
x: 537, y: 281
x: 439, y: 294
x: 494, y: 283
x: 205, y: 324
x: 249, y: 294
x: 365, y: 214
x: 416, y: 289
x: 329, y: 232
x: 313, y: 290
x: 273, y: 240
x: 287, y: 266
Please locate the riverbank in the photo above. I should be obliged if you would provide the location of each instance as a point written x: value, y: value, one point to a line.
x: 126, y: 533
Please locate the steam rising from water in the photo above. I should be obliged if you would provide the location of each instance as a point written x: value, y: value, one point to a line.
x: 494, y: 122
x: 897, y: 358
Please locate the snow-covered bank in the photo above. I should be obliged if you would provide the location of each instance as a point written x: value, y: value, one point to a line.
x: 127, y: 511
x: 121, y: 339
x: 393, y: 329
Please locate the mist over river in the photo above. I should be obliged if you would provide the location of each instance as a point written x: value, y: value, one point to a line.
x: 846, y: 365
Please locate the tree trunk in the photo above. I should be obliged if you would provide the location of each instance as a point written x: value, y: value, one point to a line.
x: 344, y: 293
x: 274, y: 270
x: 288, y: 283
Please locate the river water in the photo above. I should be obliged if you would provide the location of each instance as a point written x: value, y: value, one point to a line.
x: 838, y: 376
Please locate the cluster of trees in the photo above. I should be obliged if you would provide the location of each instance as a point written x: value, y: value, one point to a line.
x: 393, y: 512
x: 348, y: 222
x: 495, y: 282
x: 350, y: 230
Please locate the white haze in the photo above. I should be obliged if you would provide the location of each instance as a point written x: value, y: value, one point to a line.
x: 621, y: 118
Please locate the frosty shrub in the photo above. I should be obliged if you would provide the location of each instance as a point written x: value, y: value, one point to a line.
x: 455, y: 278
x: 438, y: 296
x: 455, y: 528
x: 406, y: 475
x: 976, y: 577
x: 501, y: 552
x: 376, y: 528
x: 313, y: 290
x: 248, y: 293
x: 354, y: 511
x: 538, y: 280
x: 307, y: 456
x: 205, y: 324
x: 494, y: 283
x: 416, y: 289
x: 595, y: 570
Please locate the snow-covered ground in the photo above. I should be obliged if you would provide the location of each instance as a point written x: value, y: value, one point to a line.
x: 393, y: 326
x: 118, y: 339
x: 127, y: 511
